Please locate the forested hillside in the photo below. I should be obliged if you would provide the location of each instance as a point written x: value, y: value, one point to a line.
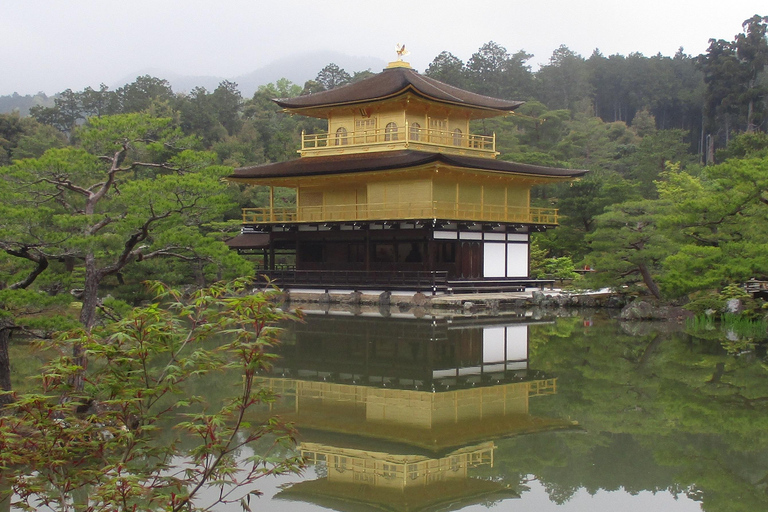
x: 675, y: 201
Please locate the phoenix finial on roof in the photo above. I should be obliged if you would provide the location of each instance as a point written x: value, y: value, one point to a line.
x: 401, y: 51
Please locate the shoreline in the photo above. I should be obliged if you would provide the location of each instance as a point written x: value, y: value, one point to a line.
x: 467, y: 302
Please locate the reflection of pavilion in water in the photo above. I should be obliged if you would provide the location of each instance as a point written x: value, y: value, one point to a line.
x: 396, y: 413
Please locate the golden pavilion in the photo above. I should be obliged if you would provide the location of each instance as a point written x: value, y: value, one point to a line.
x: 398, y: 185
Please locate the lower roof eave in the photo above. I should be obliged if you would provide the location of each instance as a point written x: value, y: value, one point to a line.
x: 400, y: 160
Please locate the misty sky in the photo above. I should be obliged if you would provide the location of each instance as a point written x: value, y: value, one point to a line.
x: 57, y: 44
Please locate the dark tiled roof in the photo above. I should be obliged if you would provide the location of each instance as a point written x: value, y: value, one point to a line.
x: 249, y: 241
x: 386, y: 160
x: 392, y: 82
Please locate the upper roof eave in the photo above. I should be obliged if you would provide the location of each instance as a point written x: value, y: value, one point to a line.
x: 391, y: 83
x: 310, y: 111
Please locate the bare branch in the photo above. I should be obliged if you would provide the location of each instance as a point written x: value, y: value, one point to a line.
x: 95, y: 185
x: 66, y: 184
x: 34, y: 256
x: 95, y: 197
x: 99, y: 225
x: 140, y: 235
x: 168, y: 252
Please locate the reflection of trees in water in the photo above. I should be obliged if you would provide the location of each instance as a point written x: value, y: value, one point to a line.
x: 321, y: 470
x: 661, y: 411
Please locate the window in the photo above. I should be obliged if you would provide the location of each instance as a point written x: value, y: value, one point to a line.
x: 438, y: 124
x: 415, y: 131
x: 341, y: 136
x: 390, y: 132
x: 365, y: 130
x: 457, y: 136
x: 437, y: 130
x: 390, y: 471
x: 340, y: 464
x: 365, y: 124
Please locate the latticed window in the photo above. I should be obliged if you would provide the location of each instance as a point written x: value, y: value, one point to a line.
x: 341, y: 136
x: 340, y: 464
x: 457, y: 136
x: 390, y: 132
x: 438, y: 124
x: 389, y: 471
x: 415, y: 131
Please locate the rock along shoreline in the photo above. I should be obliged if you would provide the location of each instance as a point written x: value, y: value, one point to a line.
x: 627, y: 308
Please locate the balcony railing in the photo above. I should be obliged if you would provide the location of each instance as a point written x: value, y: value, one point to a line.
x: 401, y: 211
x: 407, y: 136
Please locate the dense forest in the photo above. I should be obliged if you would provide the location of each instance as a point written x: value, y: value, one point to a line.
x: 675, y: 200
x: 105, y: 189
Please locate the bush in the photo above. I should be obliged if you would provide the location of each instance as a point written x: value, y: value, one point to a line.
x: 113, y: 440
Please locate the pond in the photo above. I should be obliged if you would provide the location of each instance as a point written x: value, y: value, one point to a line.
x: 423, y: 413
x: 570, y: 414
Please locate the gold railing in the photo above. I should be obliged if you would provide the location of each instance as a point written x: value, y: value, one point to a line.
x: 383, y: 468
x: 401, y: 211
x: 542, y: 387
x: 402, y: 136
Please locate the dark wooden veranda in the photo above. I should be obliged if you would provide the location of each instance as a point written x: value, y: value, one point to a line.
x: 432, y: 282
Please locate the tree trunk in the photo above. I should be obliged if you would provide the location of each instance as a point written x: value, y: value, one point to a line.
x: 648, y: 280
x: 90, y: 293
x: 5, y: 363
x: 87, y: 318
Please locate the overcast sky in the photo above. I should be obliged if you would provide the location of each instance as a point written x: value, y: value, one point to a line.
x: 57, y: 44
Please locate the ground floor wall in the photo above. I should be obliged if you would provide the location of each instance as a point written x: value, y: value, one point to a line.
x: 464, y: 254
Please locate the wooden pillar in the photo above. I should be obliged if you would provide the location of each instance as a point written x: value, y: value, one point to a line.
x: 368, y: 248
x: 429, y: 256
x: 296, y: 254
x: 271, y: 254
x: 459, y: 259
x: 272, y: 203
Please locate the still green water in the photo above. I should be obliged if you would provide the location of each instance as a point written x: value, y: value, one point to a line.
x: 579, y: 413
x: 567, y: 414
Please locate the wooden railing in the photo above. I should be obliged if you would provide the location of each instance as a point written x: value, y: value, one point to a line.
x: 425, y: 281
x: 446, y: 210
x: 316, y: 143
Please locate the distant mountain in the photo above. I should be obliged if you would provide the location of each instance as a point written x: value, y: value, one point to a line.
x: 298, y: 69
